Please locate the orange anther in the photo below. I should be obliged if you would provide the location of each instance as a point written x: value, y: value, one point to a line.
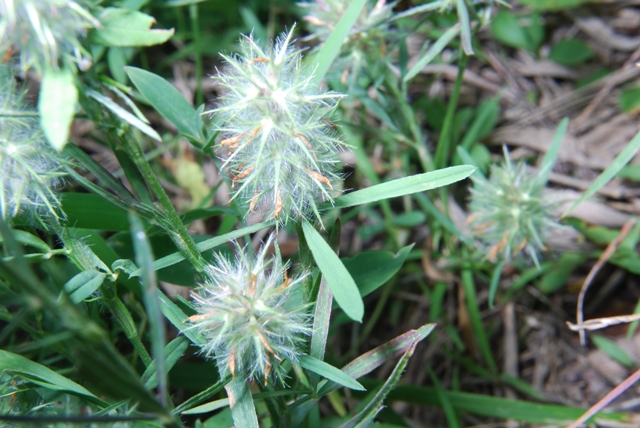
x: 278, y: 209
x: 320, y: 178
x: 232, y: 363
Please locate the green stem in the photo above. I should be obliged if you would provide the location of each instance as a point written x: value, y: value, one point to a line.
x: 195, y: 28
x: 443, y: 151
x: 124, y: 319
x: 170, y: 220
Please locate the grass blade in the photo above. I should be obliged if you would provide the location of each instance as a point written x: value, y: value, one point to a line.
x: 144, y: 259
x: 331, y: 48
x: 329, y: 372
x: 611, y: 171
x: 41, y: 375
x: 177, y: 257
x: 433, y: 51
x: 552, y: 153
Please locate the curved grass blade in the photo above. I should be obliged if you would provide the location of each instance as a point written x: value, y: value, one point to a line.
x: 329, y: 372
x: 331, y: 47
x: 611, y: 171
x: 177, y: 257
x: 41, y: 375
x: 405, y: 186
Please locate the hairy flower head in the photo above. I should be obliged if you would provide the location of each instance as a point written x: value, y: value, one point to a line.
x: 44, y: 32
x: 366, y: 44
x: 250, y: 315
x: 30, y: 170
x: 509, y: 214
x: 277, y: 143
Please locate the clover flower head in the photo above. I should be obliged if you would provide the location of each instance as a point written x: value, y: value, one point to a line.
x: 44, y: 32
x: 509, y: 215
x: 277, y: 142
x: 250, y: 315
x: 30, y: 170
x: 366, y: 44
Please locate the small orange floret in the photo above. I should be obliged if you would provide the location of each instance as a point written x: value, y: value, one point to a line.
x: 254, y: 201
x: 243, y: 174
x: 278, y: 209
x: 320, y: 178
x: 232, y: 363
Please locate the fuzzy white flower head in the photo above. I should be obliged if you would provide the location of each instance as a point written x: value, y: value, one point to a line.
x: 277, y: 143
x: 509, y: 214
x: 250, y: 315
x: 43, y: 32
x: 366, y: 44
x: 30, y: 170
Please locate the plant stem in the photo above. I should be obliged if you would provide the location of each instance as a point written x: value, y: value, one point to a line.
x: 124, y: 319
x: 443, y: 151
x: 195, y: 28
x: 170, y: 220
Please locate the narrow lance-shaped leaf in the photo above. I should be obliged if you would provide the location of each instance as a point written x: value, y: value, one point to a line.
x: 177, y: 257
x: 611, y: 171
x: 552, y: 153
x: 405, y: 186
x: 57, y: 105
x: 328, y: 371
x: 144, y: 258
x: 433, y: 51
x: 340, y: 283
x: 84, y: 285
x: 367, y: 415
x: 241, y: 402
x: 37, y: 373
x: 331, y: 47
x: 169, y: 102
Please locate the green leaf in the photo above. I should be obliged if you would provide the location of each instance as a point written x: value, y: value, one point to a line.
x: 84, y: 285
x: 243, y: 410
x: 369, y: 412
x: 177, y: 257
x: 552, y: 152
x: 501, y: 408
x: 172, y: 353
x: 340, y: 283
x: 554, y: 5
x: 478, y: 327
x: 39, y: 374
x: 208, y: 407
x: 433, y: 51
x: 28, y: 239
x: 376, y: 357
x: 571, y: 52
x: 610, y: 172
x: 329, y: 372
x: 124, y: 114
x: 88, y: 211
x: 177, y: 317
x: 332, y: 46
x: 169, y: 102
x: 108, y: 180
x: 372, y: 269
x: 123, y: 27
x: 629, y: 100
x: 495, y: 281
x: 149, y: 285
x: 610, y: 348
x: 405, y: 186
x: 526, y: 32
x: 57, y: 105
